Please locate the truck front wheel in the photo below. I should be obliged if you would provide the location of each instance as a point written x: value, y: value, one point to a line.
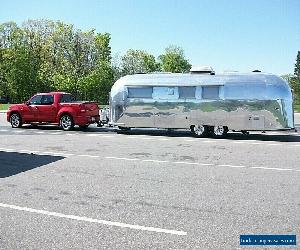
x: 15, y: 120
x: 66, y: 122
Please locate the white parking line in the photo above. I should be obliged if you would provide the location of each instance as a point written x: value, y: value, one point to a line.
x: 146, y: 160
x: 3, y: 130
x: 90, y: 156
x: 201, y: 164
x: 122, y: 158
x: 19, y: 131
x: 55, y: 133
x: 91, y: 220
x: 157, y: 161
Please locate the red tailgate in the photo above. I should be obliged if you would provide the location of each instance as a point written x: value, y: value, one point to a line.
x: 91, y: 108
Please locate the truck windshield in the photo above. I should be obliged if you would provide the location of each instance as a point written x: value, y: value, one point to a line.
x: 67, y: 98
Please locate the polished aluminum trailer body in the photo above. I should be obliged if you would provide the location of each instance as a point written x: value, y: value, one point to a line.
x: 254, y: 101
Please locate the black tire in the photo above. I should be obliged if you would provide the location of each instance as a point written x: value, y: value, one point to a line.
x: 199, y: 130
x: 15, y: 120
x: 124, y: 128
x: 84, y: 126
x: 244, y: 132
x: 219, y: 131
x: 66, y: 122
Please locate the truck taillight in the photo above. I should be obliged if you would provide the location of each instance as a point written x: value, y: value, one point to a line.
x: 82, y: 108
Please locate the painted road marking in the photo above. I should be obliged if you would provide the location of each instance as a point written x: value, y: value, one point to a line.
x: 202, y: 164
x: 146, y: 160
x: 19, y: 131
x: 25, y: 151
x: 162, y: 138
x: 56, y: 133
x: 91, y: 220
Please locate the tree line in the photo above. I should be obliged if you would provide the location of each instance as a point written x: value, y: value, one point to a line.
x: 46, y: 55
x: 294, y: 79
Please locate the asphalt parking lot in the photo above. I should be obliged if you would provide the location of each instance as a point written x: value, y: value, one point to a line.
x: 144, y: 189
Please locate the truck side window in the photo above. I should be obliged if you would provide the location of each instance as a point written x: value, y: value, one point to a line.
x: 36, y: 100
x: 187, y: 92
x: 47, y: 100
x: 66, y: 98
x: 140, y: 92
x: 210, y: 92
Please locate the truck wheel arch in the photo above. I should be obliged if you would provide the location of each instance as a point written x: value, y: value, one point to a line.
x: 69, y: 124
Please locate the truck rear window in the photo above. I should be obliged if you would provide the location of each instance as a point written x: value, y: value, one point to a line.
x: 66, y: 98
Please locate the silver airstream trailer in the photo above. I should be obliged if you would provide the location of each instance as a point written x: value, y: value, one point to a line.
x: 205, y: 103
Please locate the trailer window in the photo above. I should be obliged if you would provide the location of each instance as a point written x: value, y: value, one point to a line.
x: 210, y: 92
x: 187, y: 92
x: 143, y: 92
x: 245, y: 91
x: 165, y: 93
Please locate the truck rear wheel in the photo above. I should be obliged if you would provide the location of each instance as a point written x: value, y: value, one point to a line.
x: 66, y: 122
x: 199, y: 130
x: 15, y: 120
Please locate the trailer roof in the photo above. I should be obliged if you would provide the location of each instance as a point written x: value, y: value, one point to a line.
x: 188, y: 79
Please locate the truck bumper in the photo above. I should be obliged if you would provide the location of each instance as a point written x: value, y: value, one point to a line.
x: 7, y: 115
x: 84, y: 120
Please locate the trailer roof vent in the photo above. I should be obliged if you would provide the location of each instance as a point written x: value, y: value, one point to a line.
x: 202, y: 70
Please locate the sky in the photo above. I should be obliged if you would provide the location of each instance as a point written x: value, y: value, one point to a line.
x: 239, y: 35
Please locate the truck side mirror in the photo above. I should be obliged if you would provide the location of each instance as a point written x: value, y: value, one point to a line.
x: 27, y: 103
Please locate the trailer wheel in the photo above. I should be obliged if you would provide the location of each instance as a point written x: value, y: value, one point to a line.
x: 199, y: 130
x: 219, y: 131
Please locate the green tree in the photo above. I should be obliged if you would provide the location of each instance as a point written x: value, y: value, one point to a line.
x: 173, y: 60
x: 138, y: 61
x: 295, y: 80
x: 43, y: 55
x: 297, y: 67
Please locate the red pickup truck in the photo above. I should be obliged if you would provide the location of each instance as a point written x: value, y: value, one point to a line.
x: 54, y: 108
